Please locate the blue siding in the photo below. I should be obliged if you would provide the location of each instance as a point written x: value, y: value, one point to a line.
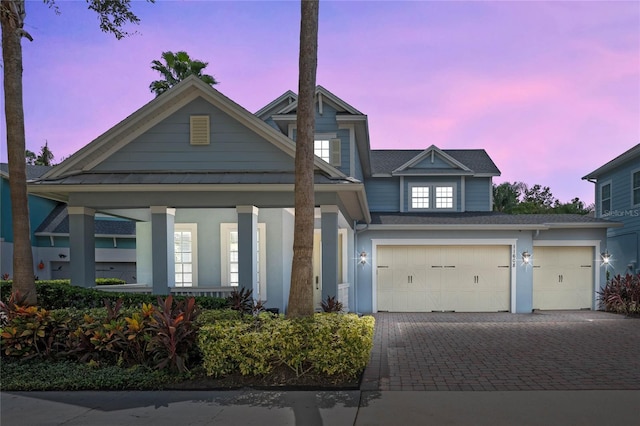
x: 383, y: 194
x: 429, y: 181
x: 623, y: 243
x: 39, y: 209
x: 477, y: 194
x: 438, y: 163
x: 166, y: 146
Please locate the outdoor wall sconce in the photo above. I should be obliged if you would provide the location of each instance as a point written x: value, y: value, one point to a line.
x: 526, y: 257
x: 606, y: 257
x: 363, y: 257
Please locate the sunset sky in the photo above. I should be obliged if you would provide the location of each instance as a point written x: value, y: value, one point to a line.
x: 550, y: 89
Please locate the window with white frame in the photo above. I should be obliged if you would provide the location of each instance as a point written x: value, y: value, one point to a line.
x: 229, y: 257
x: 322, y: 149
x: 184, y: 248
x: 605, y: 199
x: 635, y: 188
x: 420, y: 197
x: 434, y: 197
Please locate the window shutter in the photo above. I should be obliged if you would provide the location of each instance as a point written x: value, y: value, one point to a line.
x: 336, y: 159
x: 199, y: 130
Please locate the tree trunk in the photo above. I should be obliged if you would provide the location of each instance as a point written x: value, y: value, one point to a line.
x: 301, y: 291
x: 12, y: 19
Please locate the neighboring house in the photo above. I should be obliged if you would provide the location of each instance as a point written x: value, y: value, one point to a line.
x: 49, y: 224
x: 617, y: 186
x: 210, y: 186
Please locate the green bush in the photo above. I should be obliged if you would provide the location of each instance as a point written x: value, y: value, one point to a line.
x: 328, y: 344
x: 59, y: 294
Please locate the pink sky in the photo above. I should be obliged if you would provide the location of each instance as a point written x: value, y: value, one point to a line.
x: 550, y: 89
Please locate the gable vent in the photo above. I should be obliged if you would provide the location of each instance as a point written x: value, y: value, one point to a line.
x: 199, y: 130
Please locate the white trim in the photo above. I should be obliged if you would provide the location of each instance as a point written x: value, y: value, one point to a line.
x: 81, y: 210
x: 162, y: 210
x: 418, y: 158
x: 401, y: 194
x: 352, y: 147
x: 247, y: 209
x: 375, y: 243
x: 225, y: 230
x: 193, y: 229
x: 634, y: 171
x: 433, y: 196
x: 595, y: 244
x: 463, y: 192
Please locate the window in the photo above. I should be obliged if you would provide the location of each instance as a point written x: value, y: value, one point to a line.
x: 184, y: 247
x: 444, y: 197
x: 605, y: 199
x: 229, y: 258
x: 327, y: 147
x: 432, y: 197
x: 322, y: 149
x: 420, y: 197
x: 635, y: 188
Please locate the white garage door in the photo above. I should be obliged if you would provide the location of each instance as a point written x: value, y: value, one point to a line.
x: 443, y: 278
x: 563, y: 277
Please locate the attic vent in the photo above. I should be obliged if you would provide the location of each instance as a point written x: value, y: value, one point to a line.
x: 199, y: 130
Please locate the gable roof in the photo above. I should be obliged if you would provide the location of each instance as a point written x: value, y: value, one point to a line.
x: 473, y: 161
x: 159, y: 109
x: 431, y: 151
x: 631, y: 154
x: 323, y: 95
x: 273, y: 107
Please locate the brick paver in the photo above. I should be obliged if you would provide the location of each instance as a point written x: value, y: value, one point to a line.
x: 567, y: 350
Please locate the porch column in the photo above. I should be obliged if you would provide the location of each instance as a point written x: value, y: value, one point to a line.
x: 248, y: 248
x: 82, y: 246
x: 162, y: 250
x: 329, y: 224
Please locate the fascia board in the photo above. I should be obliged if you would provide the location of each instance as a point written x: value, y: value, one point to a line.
x: 621, y: 159
x: 428, y: 151
x: 272, y: 104
x: 585, y: 225
x: 66, y: 234
x: 454, y: 227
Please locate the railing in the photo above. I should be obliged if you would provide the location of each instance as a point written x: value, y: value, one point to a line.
x: 176, y: 291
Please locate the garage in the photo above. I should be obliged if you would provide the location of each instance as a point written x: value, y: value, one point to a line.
x: 443, y: 278
x: 563, y: 277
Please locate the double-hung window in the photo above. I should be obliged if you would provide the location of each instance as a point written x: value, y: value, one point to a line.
x: 432, y: 197
x: 184, y: 248
x: 229, y: 248
x: 635, y: 188
x: 605, y: 199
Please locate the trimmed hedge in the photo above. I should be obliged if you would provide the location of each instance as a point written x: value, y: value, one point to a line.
x: 336, y: 345
x: 59, y: 294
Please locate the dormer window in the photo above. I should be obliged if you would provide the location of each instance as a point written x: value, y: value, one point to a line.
x: 432, y: 197
x: 328, y: 149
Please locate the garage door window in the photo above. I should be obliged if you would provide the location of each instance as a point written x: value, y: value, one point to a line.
x: 432, y: 197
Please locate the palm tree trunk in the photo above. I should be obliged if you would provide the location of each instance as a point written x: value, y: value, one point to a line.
x: 11, y: 19
x: 301, y: 291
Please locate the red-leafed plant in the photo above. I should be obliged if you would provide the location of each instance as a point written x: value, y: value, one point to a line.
x: 621, y: 294
x: 174, y: 333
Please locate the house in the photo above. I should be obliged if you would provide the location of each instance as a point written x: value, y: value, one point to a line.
x: 617, y: 186
x: 210, y: 187
x: 49, y: 224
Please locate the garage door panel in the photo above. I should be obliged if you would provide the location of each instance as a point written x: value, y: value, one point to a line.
x: 445, y: 278
x: 563, y: 277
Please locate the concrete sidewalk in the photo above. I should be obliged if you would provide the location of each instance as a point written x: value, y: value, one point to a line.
x: 337, y: 408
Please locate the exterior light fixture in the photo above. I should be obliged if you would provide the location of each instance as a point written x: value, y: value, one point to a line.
x: 363, y: 257
x: 606, y: 257
x: 526, y: 257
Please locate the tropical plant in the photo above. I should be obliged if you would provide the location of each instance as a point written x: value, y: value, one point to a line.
x: 301, y: 290
x: 113, y: 14
x: 332, y: 304
x: 176, y: 67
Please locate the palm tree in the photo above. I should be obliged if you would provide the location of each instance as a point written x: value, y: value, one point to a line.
x: 301, y: 290
x: 113, y: 14
x: 177, y: 66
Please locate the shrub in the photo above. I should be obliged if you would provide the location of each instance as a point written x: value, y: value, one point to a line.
x: 621, y: 294
x: 331, y: 305
x: 59, y: 294
x: 327, y: 344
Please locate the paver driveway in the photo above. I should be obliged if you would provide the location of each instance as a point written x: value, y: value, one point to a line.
x: 550, y: 350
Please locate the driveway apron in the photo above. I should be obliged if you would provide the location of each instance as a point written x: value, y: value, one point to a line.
x: 545, y: 350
